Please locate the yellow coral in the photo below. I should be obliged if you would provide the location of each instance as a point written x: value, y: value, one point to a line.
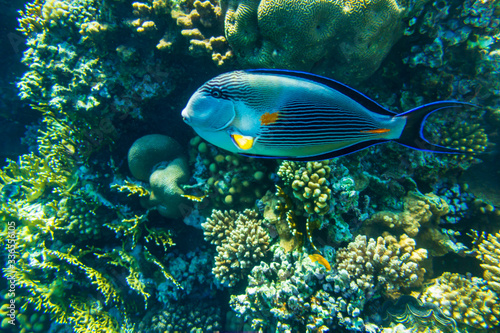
x: 132, y: 188
x: 31, y: 19
x: 392, y: 263
x: 309, y: 182
x: 198, y: 26
x: 488, y: 251
x: 467, y: 301
x: 418, y: 210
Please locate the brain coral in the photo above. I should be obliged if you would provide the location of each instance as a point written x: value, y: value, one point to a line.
x: 344, y: 39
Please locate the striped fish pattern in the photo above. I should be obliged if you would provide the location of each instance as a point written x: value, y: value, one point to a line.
x: 300, y: 116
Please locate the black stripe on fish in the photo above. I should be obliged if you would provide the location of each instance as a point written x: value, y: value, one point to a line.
x: 355, y: 95
x: 293, y: 112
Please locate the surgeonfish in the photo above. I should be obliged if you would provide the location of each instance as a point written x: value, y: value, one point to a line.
x: 300, y: 116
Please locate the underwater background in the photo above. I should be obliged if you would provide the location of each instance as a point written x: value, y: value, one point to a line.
x: 116, y: 217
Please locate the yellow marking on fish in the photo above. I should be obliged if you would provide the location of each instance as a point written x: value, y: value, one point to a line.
x: 321, y: 260
x: 242, y: 141
x: 269, y: 118
x: 377, y: 131
x: 194, y: 197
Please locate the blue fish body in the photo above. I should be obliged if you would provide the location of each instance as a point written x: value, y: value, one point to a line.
x: 300, y: 116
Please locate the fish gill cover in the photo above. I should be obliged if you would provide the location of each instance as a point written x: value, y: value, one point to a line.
x: 116, y: 218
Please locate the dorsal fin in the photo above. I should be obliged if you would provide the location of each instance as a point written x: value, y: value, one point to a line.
x: 360, y: 98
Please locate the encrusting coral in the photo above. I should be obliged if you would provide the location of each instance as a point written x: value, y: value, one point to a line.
x: 158, y: 159
x: 385, y: 261
x: 418, y: 210
x: 241, y: 242
x: 467, y: 300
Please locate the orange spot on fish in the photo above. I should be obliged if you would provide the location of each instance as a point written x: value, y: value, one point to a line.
x: 377, y: 131
x: 321, y: 260
x: 269, y: 118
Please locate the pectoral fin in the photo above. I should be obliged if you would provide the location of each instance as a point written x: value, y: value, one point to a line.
x: 243, y: 142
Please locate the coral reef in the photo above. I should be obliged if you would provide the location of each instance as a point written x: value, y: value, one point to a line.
x: 345, y: 40
x: 293, y: 292
x: 467, y: 301
x: 102, y: 73
x: 241, y: 242
x: 385, y: 261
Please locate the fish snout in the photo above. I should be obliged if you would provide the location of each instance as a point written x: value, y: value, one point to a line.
x: 185, y: 116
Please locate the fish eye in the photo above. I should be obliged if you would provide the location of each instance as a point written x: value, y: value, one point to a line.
x: 216, y: 93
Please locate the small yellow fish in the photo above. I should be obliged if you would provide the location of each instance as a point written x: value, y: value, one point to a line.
x: 194, y: 197
x: 321, y: 260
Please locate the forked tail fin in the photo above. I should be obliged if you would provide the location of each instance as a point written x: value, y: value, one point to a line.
x: 413, y: 136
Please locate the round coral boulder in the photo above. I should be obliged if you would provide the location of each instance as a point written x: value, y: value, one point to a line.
x: 150, y: 150
x: 343, y: 39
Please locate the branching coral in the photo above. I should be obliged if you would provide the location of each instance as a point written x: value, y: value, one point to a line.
x: 488, y: 251
x: 385, y: 261
x: 241, y: 242
x: 468, y: 301
x: 309, y: 182
x: 201, y: 23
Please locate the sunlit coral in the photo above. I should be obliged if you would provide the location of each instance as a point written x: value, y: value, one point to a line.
x: 393, y: 264
x: 309, y: 182
x: 488, y: 251
x: 467, y: 301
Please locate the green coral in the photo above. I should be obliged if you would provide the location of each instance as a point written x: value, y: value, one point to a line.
x: 158, y: 159
x: 346, y: 40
